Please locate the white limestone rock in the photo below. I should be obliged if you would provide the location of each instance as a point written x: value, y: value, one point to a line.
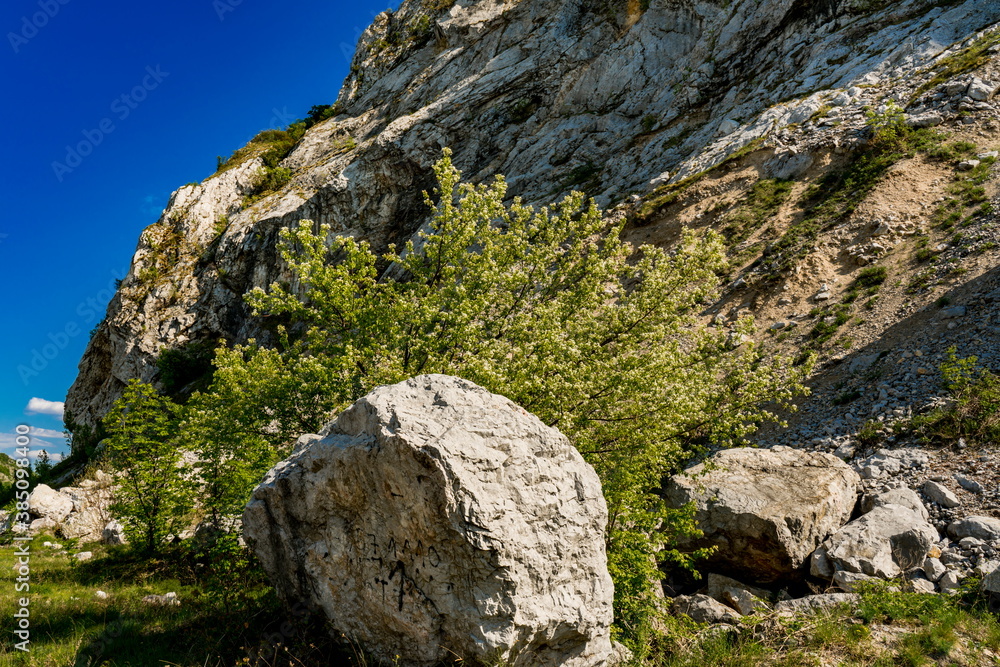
x: 886, y: 542
x: 436, y: 520
x: 46, y: 503
x: 766, y: 509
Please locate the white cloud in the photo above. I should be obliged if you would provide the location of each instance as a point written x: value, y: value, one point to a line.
x: 47, y: 433
x: 39, y: 406
x: 56, y: 450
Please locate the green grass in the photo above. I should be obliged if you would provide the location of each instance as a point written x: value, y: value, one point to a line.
x: 69, y: 626
x: 926, y: 630
x: 762, y: 201
x: 966, y: 60
x: 974, y: 415
x: 872, y: 276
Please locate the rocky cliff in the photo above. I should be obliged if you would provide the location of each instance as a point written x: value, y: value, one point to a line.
x: 619, y: 98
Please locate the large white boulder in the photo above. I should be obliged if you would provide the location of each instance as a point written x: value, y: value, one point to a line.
x: 47, y: 503
x: 766, y: 509
x: 435, y: 520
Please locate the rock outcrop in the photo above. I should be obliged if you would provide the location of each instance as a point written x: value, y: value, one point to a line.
x: 435, y: 520
x: 556, y: 94
x: 766, y: 509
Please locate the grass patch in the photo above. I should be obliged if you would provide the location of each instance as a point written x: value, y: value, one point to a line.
x: 764, y: 199
x: 927, y: 630
x: 70, y: 626
x: 974, y: 413
x: 966, y: 60
x: 872, y: 276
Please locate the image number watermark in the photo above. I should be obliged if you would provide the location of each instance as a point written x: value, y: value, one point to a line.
x: 22, y: 542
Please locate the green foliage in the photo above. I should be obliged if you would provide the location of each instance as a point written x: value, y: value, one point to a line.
x: 974, y: 56
x: 152, y: 496
x: 974, y: 413
x: 649, y: 122
x: 764, y: 199
x: 269, y: 179
x: 547, y: 307
x: 888, y: 127
x: 183, y: 365
x: 872, y: 276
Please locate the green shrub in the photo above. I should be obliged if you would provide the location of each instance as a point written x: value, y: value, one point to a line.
x: 183, y: 365
x: 543, y: 306
x: 975, y: 412
x: 872, y: 276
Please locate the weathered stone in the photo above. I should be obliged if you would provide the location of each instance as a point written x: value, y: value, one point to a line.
x: 980, y: 90
x: 703, y: 609
x: 47, y: 503
x: 717, y: 584
x: 113, y: 533
x: 42, y: 525
x: 902, y: 497
x: 949, y: 582
x: 788, y: 165
x: 933, y: 568
x: 436, y: 520
x: 922, y: 585
x: 814, y: 603
x: 744, y: 601
x: 981, y: 527
x: 929, y: 119
x: 166, y: 600
x: 883, y: 543
x: 766, y: 510
x: 84, y: 555
x: 940, y: 494
x: 968, y: 484
x: 848, y: 581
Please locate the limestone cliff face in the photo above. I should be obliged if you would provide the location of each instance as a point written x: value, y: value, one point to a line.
x: 611, y: 96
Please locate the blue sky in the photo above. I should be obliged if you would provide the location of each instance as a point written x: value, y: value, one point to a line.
x: 109, y: 109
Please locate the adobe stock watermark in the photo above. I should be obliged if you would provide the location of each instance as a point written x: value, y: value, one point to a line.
x: 22, y: 541
x: 88, y: 313
x: 121, y: 108
x: 223, y: 7
x: 31, y: 25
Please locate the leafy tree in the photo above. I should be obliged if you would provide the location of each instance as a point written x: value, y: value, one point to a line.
x: 547, y: 307
x: 153, y: 493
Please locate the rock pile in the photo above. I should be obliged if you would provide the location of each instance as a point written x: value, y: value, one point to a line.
x: 75, y: 512
x: 886, y: 533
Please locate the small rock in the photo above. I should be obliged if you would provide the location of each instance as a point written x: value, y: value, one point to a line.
x: 940, y: 494
x: 954, y: 311
x: 980, y: 90
x: 703, y: 609
x: 921, y: 585
x: 949, y: 581
x: 84, y: 555
x: 933, y: 568
x: 969, y: 484
x: 814, y: 603
x: 982, y: 527
x: 100, y: 595
x: 168, y: 600
x: 929, y: 119
x: 968, y: 165
x: 822, y: 296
